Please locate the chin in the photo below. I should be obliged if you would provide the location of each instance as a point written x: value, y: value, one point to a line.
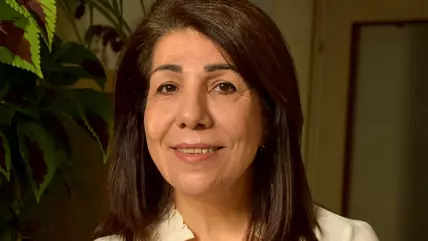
x: 193, y: 186
x: 193, y: 192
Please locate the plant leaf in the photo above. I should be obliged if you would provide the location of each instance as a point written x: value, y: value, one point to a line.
x: 52, y: 122
x: 6, y: 114
x: 96, y: 115
x: 16, y: 97
x: 42, y: 12
x: 90, y: 109
x: 5, y: 156
x: 74, y: 54
x: 61, y: 74
x: 16, y: 93
x: 38, y: 151
x: 9, y: 234
x: 64, y: 76
x: 62, y: 101
x: 19, y: 40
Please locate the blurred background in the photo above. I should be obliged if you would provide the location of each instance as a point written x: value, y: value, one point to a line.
x: 363, y: 73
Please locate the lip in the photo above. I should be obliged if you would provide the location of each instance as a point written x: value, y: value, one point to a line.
x: 196, y: 145
x: 193, y: 158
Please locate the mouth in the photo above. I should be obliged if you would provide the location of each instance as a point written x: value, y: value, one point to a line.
x: 196, y: 151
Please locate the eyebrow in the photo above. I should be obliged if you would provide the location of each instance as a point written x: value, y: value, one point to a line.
x: 208, y: 68
x: 168, y: 67
x: 214, y: 67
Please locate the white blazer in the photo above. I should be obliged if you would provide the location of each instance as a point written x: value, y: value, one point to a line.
x: 333, y: 228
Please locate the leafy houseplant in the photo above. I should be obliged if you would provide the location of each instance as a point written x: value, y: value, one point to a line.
x: 112, y: 35
x: 38, y: 103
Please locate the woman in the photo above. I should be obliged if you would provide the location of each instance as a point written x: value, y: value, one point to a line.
x: 207, y: 133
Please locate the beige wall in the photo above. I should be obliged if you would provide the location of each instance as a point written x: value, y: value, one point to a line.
x: 325, y: 142
x: 295, y: 19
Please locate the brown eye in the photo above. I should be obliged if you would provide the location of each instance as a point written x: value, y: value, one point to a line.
x: 225, y: 87
x: 167, y: 89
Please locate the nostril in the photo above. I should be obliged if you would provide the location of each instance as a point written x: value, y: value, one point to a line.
x: 197, y: 126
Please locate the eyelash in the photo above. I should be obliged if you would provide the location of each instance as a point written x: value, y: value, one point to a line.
x: 218, y: 86
x: 162, y: 88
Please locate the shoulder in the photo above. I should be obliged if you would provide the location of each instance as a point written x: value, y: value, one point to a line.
x: 110, y: 238
x: 333, y: 227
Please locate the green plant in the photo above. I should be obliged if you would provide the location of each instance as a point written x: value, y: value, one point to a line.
x: 21, y: 23
x: 114, y: 34
x: 37, y: 103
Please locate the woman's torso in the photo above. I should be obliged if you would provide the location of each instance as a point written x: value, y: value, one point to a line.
x: 332, y: 227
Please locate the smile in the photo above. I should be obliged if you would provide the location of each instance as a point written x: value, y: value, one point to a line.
x: 197, y: 150
x: 194, y: 153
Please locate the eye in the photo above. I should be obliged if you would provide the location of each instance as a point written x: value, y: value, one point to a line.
x: 166, y: 89
x: 225, y: 87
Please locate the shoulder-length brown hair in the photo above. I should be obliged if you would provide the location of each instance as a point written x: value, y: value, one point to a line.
x: 139, y: 197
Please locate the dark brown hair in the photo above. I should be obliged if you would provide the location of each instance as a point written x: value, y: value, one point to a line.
x: 139, y: 196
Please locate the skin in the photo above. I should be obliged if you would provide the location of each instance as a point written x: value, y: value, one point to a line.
x: 196, y: 97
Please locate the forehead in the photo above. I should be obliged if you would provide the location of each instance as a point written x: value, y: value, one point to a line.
x: 186, y: 45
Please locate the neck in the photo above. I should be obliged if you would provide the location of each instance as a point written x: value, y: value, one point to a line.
x: 219, y: 215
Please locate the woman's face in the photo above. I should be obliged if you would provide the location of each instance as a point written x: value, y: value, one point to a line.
x: 202, y: 123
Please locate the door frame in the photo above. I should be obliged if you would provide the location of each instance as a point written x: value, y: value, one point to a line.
x: 352, y: 93
x: 326, y: 128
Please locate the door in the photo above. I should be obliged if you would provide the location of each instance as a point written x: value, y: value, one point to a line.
x: 387, y: 159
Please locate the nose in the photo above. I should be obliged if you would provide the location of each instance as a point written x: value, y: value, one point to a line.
x: 193, y: 112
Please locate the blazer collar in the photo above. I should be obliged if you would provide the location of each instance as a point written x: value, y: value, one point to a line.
x: 173, y: 228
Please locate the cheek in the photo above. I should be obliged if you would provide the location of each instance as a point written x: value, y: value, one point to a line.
x: 242, y: 122
x: 150, y: 124
x: 157, y: 121
x: 156, y: 125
